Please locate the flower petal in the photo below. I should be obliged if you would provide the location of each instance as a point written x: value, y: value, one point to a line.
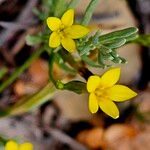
x: 92, y: 83
x: 120, y: 93
x: 109, y: 107
x: 26, y: 146
x: 54, y: 40
x: 68, y: 18
x: 93, y: 103
x: 53, y: 23
x: 11, y: 145
x: 68, y: 44
x: 76, y: 31
x: 110, y: 77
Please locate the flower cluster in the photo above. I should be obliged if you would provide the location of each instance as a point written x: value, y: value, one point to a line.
x: 12, y: 145
x: 104, y: 90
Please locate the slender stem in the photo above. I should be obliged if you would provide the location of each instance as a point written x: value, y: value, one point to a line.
x: 89, y: 11
x: 21, y: 69
x: 73, y: 4
x: 60, y: 8
x: 82, y: 70
x: 32, y: 102
x: 3, y: 71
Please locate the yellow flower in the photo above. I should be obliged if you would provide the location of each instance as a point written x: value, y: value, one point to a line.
x: 104, y: 90
x: 12, y: 145
x: 63, y: 31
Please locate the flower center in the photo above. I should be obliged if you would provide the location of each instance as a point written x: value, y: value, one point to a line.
x: 101, y: 92
x: 61, y: 32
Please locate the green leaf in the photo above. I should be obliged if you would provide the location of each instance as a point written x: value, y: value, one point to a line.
x: 60, y: 8
x: 41, y: 15
x: 132, y: 37
x: 115, y: 43
x: 101, y: 58
x: 33, y: 40
x: 87, y: 44
x: 76, y: 86
x: 48, y: 7
x: 90, y: 62
x: 73, y: 4
x: 3, y: 141
x: 89, y: 12
x: 118, y: 34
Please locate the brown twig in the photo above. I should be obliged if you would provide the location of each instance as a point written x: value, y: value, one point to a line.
x: 64, y: 138
x: 12, y: 25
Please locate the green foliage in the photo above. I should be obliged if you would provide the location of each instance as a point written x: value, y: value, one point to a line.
x: 75, y: 86
x: 60, y: 61
x: 2, y: 141
x: 30, y: 102
x: 143, y: 40
x: 106, y: 46
x: 3, y: 71
x: 60, y: 8
x: 89, y: 11
x: 73, y: 4
x: 21, y: 69
x: 33, y: 40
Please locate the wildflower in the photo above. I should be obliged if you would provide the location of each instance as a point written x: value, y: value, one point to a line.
x: 104, y: 90
x: 63, y: 31
x: 12, y: 145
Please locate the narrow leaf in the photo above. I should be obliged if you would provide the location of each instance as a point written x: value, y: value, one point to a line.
x: 89, y: 11
x: 75, y: 86
x: 33, y: 40
x: 60, y: 8
x: 115, y: 43
x: 118, y: 34
x: 91, y: 62
x: 73, y: 4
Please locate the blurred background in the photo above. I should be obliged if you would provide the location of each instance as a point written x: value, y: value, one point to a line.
x: 65, y: 123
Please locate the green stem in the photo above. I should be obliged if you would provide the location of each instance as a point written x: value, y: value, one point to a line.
x: 89, y: 11
x: 73, y: 4
x: 51, y: 62
x: 21, y: 69
x: 60, y: 8
x: 3, y: 71
x: 31, y: 102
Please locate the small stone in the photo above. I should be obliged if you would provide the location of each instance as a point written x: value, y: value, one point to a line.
x: 92, y: 138
x: 19, y: 88
x: 39, y: 72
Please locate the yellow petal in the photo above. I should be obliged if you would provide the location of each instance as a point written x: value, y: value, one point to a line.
x: 68, y: 17
x: 93, y: 103
x: 92, y: 83
x: 120, y: 93
x: 76, y: 31
x: 26, y: 146
x: 109, y: 107
x: 68, y: 44
x: 54, y: 40
x: 11, y: 145
x: 110, y: 77
x: 53, y: 23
